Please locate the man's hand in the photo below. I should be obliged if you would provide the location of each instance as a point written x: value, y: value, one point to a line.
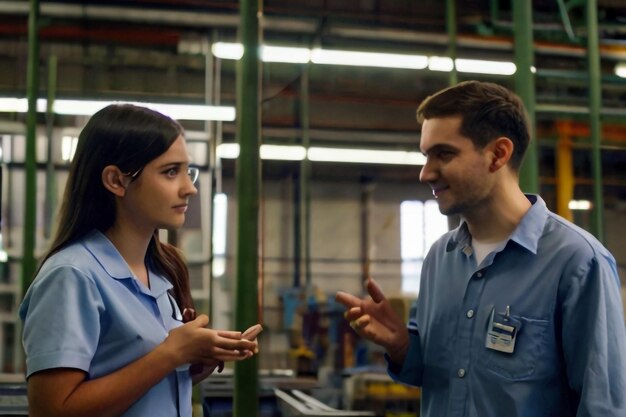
x: 373, y: 318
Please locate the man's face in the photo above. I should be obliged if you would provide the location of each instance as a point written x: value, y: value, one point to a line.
x: 457, y: 172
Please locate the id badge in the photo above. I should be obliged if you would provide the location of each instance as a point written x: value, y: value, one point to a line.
x: 502, y: 331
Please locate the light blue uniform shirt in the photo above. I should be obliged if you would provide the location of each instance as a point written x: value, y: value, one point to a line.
x: 85, y: 310
x: 561, y: 285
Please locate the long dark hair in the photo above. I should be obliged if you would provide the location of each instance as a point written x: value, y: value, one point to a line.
x: 128, y: 137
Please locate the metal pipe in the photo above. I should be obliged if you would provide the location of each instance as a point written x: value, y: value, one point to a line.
x: 595, y: 102
x: 525, y: 88
x: 245, y: 401
x: 564, y: 171
x: 32, y: 71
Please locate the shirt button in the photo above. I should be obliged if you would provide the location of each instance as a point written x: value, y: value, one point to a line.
x: 470, y: 314
x: 479, y: 274
x: 461, y: 373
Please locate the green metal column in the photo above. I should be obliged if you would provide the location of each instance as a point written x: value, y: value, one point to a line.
x: 305, y: 176
x: 51, y: 178
x: 595, y: 101
x: 32, y: 72
x: 451, y: 29
x: 245, y: 402
x: 525, y: 87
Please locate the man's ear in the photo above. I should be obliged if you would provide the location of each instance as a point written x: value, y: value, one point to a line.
x: 114, y: 180
x: 501, y: 152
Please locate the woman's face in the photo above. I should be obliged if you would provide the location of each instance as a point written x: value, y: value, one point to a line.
x: 157, y: 198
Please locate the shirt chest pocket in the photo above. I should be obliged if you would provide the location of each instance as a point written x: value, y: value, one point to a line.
x: 529, y: 359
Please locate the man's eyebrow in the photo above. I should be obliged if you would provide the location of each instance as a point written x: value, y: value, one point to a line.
x: 438, y: 147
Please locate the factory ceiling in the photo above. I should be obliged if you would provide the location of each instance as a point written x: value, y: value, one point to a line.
x: 155, y: 50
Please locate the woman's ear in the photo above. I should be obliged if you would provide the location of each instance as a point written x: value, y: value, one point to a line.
x: 114, y: 180
x: 502, y: 150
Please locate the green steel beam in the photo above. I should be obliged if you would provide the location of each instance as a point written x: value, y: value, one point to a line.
x: 245, y: 401
x: 567, y: 24
x: 452, y: 38
x: 51, y: 178
x: 525, y: 87
x: 595, y: 102
x: 305, y: 176
x: 29, y: 262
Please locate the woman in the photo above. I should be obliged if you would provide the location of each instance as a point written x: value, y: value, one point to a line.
x: 103, y: 331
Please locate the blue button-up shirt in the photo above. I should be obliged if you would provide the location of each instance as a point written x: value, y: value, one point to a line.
x: 562, y: 291
x: 85, y: 310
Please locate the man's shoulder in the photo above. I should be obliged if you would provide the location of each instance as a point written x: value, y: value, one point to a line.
x: 569, y: 236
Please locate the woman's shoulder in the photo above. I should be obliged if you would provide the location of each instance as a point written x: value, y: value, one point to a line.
x: 74, y: 255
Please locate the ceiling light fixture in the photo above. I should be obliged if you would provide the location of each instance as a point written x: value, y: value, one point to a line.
x: 368, y: 59
x: 283, y: 152
x: 89, y: 107
x: 319, y: 154
x: 231, y: 50
x: 368, y: 156
x: 480, y: 66
x: 285, y: 54
x: 620, y: 69
x: 579, y: 205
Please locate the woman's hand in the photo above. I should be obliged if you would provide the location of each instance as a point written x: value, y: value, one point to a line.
x: 194, y: 343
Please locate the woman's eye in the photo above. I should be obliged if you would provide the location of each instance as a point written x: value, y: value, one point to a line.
x: 172, y: 172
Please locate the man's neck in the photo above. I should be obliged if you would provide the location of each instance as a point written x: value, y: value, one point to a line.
x: 500, y: 217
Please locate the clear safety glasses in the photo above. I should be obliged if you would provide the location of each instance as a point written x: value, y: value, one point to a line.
x: 193, y: 173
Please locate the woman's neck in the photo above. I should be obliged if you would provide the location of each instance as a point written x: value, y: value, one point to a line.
x: 133, y: 246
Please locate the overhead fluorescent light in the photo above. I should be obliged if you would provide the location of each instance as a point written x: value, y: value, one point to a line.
x: 440, y: 63
x: 232, y: 50
x: 284, y: 153
x: 270, y: 152
x: 227, y: 150
x: 285, y: 54
x: 620, y: 69
x: 227, y: 50
x: 579, y: 205
x: 89, y: 107
x: 298, y: 153
x: 368, y: 59
x: 369, y: 156
x: 13, y: 105
x: 480, y: 66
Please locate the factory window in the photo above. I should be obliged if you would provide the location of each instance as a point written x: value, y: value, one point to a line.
x: 421, y: 224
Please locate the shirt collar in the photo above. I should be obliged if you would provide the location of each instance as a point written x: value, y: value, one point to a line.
x: 526, y: 234
x: 107, y: 255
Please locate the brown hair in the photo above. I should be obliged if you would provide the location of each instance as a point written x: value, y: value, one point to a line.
x: 128, y: 137
x: 488, y: 111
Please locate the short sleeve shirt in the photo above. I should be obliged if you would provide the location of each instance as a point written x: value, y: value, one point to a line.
x: 85, y: 310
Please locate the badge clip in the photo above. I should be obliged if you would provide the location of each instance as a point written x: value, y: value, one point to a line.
x: 502, y: 331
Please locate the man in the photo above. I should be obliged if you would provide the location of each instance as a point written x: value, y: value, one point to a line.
x: 519, y: 311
